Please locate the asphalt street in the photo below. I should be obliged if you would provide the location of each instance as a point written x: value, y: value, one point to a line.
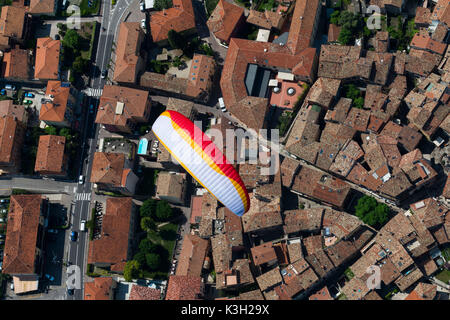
x: 110, y: 20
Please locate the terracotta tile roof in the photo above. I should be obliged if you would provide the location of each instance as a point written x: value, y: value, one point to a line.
x: 50, y: 154
x: 192, y: 256
x: 323, y: 91
x: 355, y: 289
x: 306, y: 220
x: 341, y: 252
x: 144, y: 293
x: 221, y: 252
x: 358, y: 119
x: 16, y: 64
x: 9, y: 138
x: 17, y: 111
x: 99, y: 289
x: 423, y: 42
x: 340, y: 223
x: 42, y: 7
x: 313, y: 244
x: 423, y: 16
x: 263, y: 253
x: 128, y: 59
x: 224, y: 20
x: 266, y: 20
x: 264, y: 213
x: 288, y: 170
x: 322, y: 294
x: 233, y: 227
x: 238, y: 275
x: 55, y: 111
x: 342, y: 62
x: 295, y: 55
x: 333, y: 32
x: 171, y: 185
x: 269, y: 279
x: 179, y: 18
x: 197, y: 85
x: 407, y: 281
x: 317, y: 184
x: 184, y: 288
x: 12, y: 21
x: 47, y: 58
x: 423, y: 291
x: 295, y: 251
x: 251, y: 295
x: 320, y: 262
x: 108, y: 168
x: 196, y: 209
x: 22, y: 234
x: 113, y: 245
x: 136, y: 105
x: 441, y: 12
x: 209, y: 213
x: 304, y: 19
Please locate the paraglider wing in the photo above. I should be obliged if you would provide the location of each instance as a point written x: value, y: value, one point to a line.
x: 195, y: 151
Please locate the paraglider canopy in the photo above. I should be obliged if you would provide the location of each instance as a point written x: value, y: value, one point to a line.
x: 195, y: 151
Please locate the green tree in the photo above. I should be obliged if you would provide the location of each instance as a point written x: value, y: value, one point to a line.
x: 148, y: 208
x: 334, y: 19
x: 131, y: 270
x: 153, y: 261
x: 72, y: 39
x: 50, y: 130
x: 176, y: 40
x: 140, y: 258
x: 345, y: 36
x: 358, y: 103
x: 80, y: 65
x: 65, y: 132
x: 147, y: 246
x: 371, y: 212
x: 164, y: 211
x: 148, y: 224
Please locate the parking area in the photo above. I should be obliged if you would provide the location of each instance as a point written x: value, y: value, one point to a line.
x: 52, y: 284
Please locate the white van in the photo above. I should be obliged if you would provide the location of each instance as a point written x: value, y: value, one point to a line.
x: 222, y: 105
x: 83, y: 225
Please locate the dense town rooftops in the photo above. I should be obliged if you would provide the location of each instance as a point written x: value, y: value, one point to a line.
x: 55, y: 109
x: 224, y: 20
x: 179, y: 18
x: 47, y: 58
x: 22, y: 234
x: 50, y: 154
x: 113, y: 245
x: 184, y: 288
x: 99, y: 289
x: 128, y: 60
x: 118, y: 105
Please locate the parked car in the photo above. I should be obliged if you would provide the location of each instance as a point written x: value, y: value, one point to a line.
x: 70, y: 291
x: 2, y: 92
x: 4, y: 201
x: 142, y: 6
x: 91, y: 108
x: 26, y: 101
x: 104, y: 73
x: 10, y: 87
x: 143, y: 21
x: 29, y: 95
x: 73, y: 236
x: 54, y: 231
x: 2, y: 220
x: 81, y: 179
x: 50, y: 277
x: 83, y: 225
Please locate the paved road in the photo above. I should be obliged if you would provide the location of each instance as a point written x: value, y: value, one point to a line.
x: 41, y: 185
x: 110, y: 20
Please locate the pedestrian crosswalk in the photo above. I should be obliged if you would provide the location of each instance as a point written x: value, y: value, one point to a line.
x: 91, y: 92
x: 83, y: 196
